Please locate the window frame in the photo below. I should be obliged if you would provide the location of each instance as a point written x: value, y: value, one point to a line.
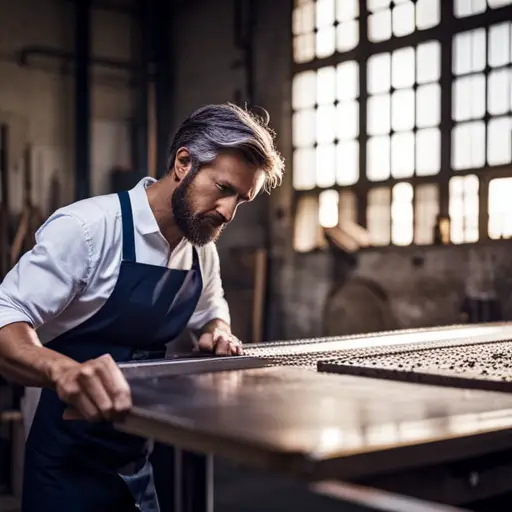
x: 444, y: 32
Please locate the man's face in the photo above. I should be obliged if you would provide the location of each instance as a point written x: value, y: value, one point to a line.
x: 204, y: 202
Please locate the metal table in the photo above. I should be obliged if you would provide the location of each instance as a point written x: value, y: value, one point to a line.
x: 314, y: 426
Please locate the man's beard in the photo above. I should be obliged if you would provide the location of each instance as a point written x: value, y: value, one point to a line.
x: 198, y: 228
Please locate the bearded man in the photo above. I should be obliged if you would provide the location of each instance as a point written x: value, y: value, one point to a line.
x: 116, y: 278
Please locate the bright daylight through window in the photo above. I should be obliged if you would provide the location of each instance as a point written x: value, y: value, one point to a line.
x: 395, y: 124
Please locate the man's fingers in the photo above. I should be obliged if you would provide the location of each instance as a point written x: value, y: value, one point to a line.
x: 92, y: 385
x: 116, y: 385
x: 222, y: 346
x: 205, y: 342
x: 84, y: 405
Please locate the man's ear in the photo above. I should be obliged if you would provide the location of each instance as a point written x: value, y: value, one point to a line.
x: 182, y: 163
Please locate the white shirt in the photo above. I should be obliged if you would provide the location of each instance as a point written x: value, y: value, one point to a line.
x: 73, y: 268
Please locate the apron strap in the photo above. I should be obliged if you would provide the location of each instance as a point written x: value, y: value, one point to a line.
x: 127, y: 219
x: 195, y: 259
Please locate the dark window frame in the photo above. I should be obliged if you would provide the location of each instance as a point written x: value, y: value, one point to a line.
x: 448, y: 27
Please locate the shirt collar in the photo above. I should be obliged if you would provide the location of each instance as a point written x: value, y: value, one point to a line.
x: 143, y: 218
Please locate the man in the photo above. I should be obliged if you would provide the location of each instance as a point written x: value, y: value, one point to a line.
x: 114, y: 278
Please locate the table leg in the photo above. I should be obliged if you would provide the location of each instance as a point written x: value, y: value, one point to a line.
x: 193, y: 482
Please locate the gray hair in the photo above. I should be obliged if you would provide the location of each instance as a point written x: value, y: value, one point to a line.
x: 216, y: 128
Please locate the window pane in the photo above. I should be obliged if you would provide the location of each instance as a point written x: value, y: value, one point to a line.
x: 348, y: 80
x: 326, y: 85
x: 306, y: 225
x: 499, y: 3
x: 402, y: 155
x: 348, y: 120
x: 376, y: 5
x: 498, y: 91
x: 328, y: 213
x: 379, y: 73
x: 425, y: 214
x: 465, y: 8
x: 378, y: 216
x: 468, y: 145
x: 499, y: 44
x: 378, y: 158
x: 463, y: 209
x: 304, y: 90
x: 403, y: 69
x: 469, y: 51
x: 347, y: 162
x: 303, y: 127
x: 325, y: 165
x: 379, y: 26
x: 347, y: 35
x: 500, y: 208
x: 402, y: 110
x: 469, y: 97
x: 304, y: 174
x: 325, y: 42
x: 304, y: 19
x: 324, y: 13
x: 428, y: 59
x: 428, y: 13
x: 348, y: 206
x: 379, y: 114
x: 402, y: 214
x: 403, y: 19
x: 347, y: 10
x: 428, y: 151
x: 325, y: 124
x: 304, y: 48
x: 428, y: 105
x: 499, y: 150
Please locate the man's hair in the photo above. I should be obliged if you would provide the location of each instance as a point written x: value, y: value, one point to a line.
x: 213, y: 129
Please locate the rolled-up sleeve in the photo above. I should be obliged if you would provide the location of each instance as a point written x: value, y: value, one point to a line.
x: 46, y: 279
x: 212, y: 304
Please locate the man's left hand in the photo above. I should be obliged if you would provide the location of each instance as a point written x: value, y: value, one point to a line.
x: 220, y: 342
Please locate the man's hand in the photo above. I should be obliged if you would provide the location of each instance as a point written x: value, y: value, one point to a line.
x: 97, y: 390
x: 220, y: 342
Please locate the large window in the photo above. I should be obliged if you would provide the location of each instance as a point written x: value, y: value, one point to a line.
x: 402, y: 111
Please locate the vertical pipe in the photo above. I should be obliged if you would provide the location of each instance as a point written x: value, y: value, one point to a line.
x: 82, y: 99
x: 141, y: 45
x: 163, y: 83
x: 4, y: 202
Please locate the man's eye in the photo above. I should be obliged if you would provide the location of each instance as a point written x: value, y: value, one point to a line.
x: 222, y: 188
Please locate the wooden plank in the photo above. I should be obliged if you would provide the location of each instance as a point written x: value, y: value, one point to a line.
x: 377, y: 500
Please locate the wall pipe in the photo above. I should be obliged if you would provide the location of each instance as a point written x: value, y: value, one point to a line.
x: 82, y: 100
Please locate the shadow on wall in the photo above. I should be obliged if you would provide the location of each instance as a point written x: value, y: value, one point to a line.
x: 359, y: 305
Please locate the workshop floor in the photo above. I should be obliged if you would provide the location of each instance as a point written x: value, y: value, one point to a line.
x: 239, y: 489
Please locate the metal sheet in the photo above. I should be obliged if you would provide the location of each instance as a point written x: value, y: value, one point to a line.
x: 470, y: 365
x: 180, y: 365
x: 306, y: 353
x: 301, y: 421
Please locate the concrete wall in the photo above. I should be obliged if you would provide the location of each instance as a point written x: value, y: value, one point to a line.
x: 36, y: 101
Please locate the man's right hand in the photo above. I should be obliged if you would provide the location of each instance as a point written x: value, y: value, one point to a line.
x: 96, y: 389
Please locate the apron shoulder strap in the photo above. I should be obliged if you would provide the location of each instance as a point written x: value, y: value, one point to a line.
x: 127, y: 220
x: 195, y: 259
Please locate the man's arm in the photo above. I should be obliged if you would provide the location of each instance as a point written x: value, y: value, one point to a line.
x: 37, y: 289
x: 211, y: 320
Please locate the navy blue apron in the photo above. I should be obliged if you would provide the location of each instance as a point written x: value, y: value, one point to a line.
x: 85, y: 467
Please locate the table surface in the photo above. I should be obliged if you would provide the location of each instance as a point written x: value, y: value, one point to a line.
x: 303, y: 421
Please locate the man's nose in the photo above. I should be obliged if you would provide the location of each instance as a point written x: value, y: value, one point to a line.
x: 227, y: 208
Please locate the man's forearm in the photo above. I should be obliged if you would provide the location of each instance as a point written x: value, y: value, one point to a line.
x: 215, y: 324
x: 25, y: 361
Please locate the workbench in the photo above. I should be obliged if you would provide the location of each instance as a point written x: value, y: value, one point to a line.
x: 382, y: 443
